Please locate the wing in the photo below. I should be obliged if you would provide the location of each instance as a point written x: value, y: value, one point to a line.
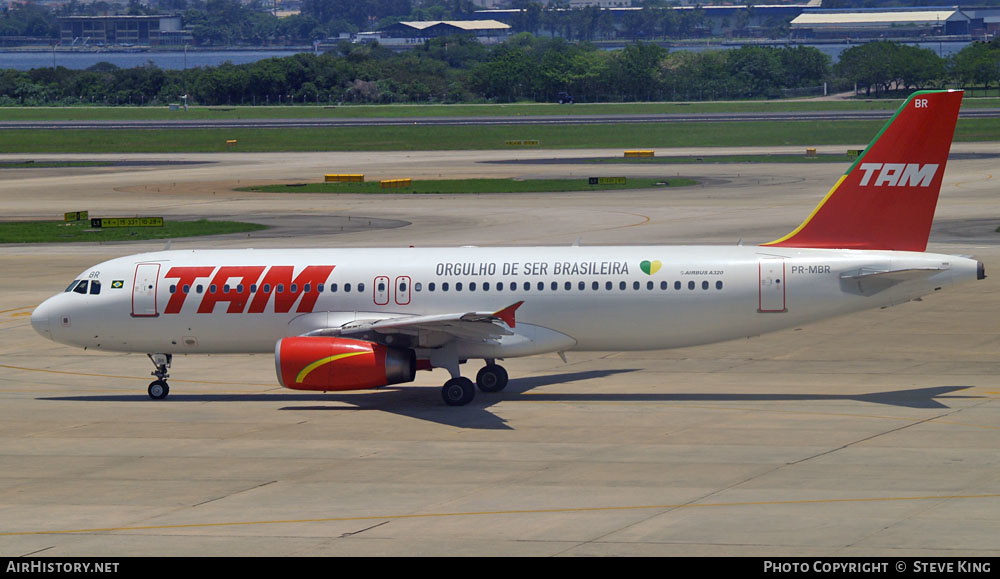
x: 432, y: 330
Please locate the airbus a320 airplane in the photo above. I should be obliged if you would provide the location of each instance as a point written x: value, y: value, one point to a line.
x: 349, y: 319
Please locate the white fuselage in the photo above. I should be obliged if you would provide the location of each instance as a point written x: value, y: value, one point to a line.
x: 575, y: 298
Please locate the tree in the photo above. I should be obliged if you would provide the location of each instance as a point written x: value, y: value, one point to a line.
x: 918, y: 67
x: 869, y: 66
x: 635, y: 71
x: 803, y: 66
x: 977, y: 64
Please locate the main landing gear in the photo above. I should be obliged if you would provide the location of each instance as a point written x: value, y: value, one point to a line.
x: 158, y: 389
x: 459, y: 391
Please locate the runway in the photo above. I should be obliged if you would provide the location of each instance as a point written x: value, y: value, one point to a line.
x: 868, y: 435
x: 563, y: 119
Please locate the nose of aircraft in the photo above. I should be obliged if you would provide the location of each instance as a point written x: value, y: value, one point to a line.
x: 40, y: 318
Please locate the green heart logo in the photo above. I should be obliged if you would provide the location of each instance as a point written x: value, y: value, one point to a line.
x: 650, y: 267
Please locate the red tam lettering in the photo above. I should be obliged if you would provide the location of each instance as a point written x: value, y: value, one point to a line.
x: 186, y: 277
x: 281, y: 275
x: 238, y: 296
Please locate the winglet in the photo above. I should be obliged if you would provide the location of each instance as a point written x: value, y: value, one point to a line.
x: 507, y: 314
x: 886, y: 199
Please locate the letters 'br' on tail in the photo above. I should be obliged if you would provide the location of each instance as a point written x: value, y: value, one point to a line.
x: 886, y: 200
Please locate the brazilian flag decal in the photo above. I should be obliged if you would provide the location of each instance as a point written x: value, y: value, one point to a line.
x: 118, y: 284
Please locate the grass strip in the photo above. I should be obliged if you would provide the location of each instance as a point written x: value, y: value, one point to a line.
x: 52, y: 164
x: 457, y: 186
x: 418, y: 137
x: 92, y: 113
x: 74, y: 231
x: 722, y: 159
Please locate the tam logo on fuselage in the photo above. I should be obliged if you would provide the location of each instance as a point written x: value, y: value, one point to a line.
x: 898, y: 174
x: 238, y: 279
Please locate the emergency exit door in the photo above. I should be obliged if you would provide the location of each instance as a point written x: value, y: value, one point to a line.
x: 772, y: 285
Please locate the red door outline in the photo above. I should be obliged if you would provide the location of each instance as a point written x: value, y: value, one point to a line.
x: 771, y: 275
x: 144, y: 288
x: 403, y: 286
x: 381, y: 296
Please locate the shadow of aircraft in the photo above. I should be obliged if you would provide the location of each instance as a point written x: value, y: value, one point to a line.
x: 414, y: 401
x: 913, y: 398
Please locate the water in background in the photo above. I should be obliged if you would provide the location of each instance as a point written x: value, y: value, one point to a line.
x: 165, y: 60
x: 178, y: 60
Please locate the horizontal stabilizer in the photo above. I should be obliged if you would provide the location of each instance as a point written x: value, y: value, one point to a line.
x: 896, y: 274
x: 868, y: 281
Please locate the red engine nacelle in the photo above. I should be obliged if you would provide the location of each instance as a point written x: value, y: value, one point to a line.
x: 318, y: 363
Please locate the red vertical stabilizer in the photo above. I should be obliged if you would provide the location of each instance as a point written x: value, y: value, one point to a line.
x: 886, y: 200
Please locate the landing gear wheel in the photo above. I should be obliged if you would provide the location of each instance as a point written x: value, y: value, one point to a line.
x: 158, y: 390
x: 492, y: 378
x: 458, y: 391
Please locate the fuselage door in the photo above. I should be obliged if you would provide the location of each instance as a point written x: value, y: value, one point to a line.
x: 381, y: 289
x: 403, y: 290
x: 144, y: 290
x: 772, y: 285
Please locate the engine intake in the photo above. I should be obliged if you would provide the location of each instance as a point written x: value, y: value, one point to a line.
x: 321, y: 363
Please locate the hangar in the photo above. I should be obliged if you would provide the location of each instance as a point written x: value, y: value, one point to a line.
x: 489, y: 31
x: 880, y: 23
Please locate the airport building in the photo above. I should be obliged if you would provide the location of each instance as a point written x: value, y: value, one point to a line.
x: 881, y: 23
x: 486, y: 31
x: 122, y: 31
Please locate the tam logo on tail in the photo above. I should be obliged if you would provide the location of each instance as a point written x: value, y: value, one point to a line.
x: 880, y: 203
x: 899, y: 174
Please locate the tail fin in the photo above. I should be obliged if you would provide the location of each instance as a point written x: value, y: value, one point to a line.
x: 886, y: 200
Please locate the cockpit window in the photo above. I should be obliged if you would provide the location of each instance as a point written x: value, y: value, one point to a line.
x: 72, y: 285
x: 95, y: 287
x: 81, y: 287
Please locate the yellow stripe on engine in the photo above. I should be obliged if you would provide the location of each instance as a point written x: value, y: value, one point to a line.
x: 308, y: 369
